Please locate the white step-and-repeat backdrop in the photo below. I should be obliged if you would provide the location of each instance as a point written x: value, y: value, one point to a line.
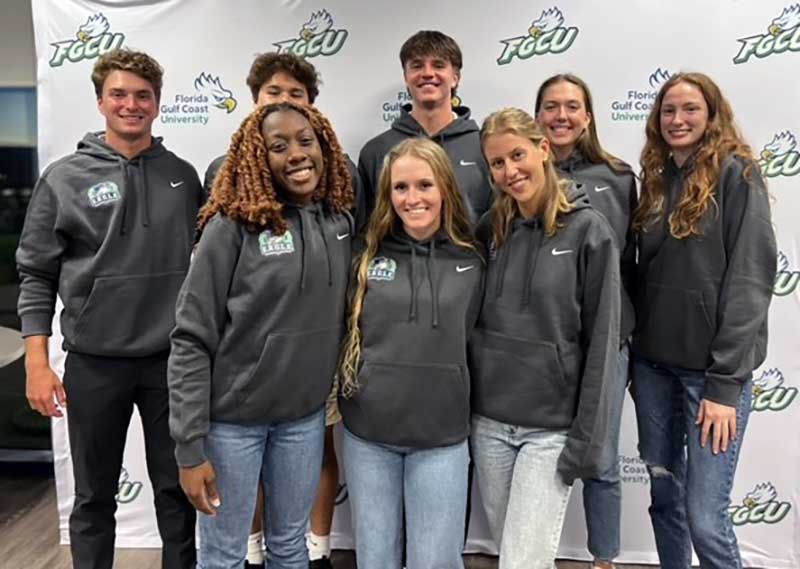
x: 624, y: 50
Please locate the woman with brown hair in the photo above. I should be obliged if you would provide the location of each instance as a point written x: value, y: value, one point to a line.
x: 707, y: 261
x: 405, y: 384
x: 543, y: 356
x: 259, y: 321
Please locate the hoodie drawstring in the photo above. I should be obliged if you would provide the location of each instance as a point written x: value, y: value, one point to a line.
x: 130, y: 188
x: 412, y: 311
x: 530, y: 268
x: 431, y: 264
x: 327, y: 248
x: 123, y: 165
x: 145, y: 194
x: 432, y: 281
x: 501, y: 267
x: 303, y: 241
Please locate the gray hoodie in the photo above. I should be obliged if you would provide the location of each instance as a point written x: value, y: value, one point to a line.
x: 613, y: 194
x: 422, y: 300
x: 460, y: 139
x: 702, y: 301
x: 112, y: 237
x: 259, y: 321
x: 544, y: 350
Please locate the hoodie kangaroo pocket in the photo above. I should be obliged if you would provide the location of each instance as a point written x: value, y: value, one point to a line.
x: 418, y: 405
x: 676, y: 327
x: 293, y: 376
x: 128, y: 315
x: 519, y: 381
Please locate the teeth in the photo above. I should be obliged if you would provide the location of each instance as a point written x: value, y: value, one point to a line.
x: 300, y: 175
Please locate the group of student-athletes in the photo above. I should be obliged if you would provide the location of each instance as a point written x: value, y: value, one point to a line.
x: 466, y: 294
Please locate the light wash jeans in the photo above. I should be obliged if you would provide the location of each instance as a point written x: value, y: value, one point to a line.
x: 429, y: 484
x: 524, y: 497
x: 602, y: 496
x: 288, y: 457
x: 690, y: 487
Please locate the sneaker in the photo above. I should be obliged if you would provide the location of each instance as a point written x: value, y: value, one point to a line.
x: 248, y: 565
x: 321, y: 563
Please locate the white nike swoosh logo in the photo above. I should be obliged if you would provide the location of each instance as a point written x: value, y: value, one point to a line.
x: 176, y: 184
x: 343, y: 236
x: 601, y: 188
x: 460, y: 269
x: 562, y: 252
x: 465, y: 163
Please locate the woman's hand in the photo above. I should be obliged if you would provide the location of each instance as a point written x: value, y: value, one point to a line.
x: 719, y: 421
x: 199, y: 483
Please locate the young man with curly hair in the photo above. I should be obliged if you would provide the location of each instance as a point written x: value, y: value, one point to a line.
x: 110, y: 229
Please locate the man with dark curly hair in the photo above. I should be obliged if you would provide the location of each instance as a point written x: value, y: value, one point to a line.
x: 110, y: 229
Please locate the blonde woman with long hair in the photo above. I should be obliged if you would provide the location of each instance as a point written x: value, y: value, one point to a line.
x: 543, y: 355
x: 707, y: 261
x: 404, y: 378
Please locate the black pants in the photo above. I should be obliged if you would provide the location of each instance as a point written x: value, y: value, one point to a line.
x: 101, y: 393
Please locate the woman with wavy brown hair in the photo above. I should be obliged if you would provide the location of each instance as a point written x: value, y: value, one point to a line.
x: 405, y: 384
x: 259, y: 321
x: 707, y: 261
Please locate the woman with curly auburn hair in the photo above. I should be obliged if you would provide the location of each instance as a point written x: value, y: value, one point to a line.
x: 259, y: 321
x: 707, y: 261
x: 405, y: 383
x: 543, y: 356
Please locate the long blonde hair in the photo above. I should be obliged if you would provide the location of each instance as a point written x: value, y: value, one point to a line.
x: 505, y: 209
x: 455, y: 222
x: 720, y: 139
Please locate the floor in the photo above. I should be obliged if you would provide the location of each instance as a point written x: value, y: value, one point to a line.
x: 29, y: 529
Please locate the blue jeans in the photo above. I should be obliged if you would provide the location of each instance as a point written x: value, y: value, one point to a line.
x: 522, y: 493
x: 690, y: 486
x: 602, y: 496
x: 430, y: 484
x: 288, y: 458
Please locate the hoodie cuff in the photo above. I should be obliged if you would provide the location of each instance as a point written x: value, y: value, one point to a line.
x: 37, y: 324
x: 723, y: 390
x: 191, y: 454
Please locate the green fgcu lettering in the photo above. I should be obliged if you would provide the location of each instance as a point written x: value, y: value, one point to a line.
x: 786, y: 280
x: 545, y: 35
x: 270, y: 244
x: 316, y: 37
x: 93, y: 40
x: 127, y: 491
x: 769, y: 393
x: 783, y: 35
x: 759, y: 506
x: 780, y: 157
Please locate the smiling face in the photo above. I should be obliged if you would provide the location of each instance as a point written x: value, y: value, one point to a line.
x: 563, y: 116
x: 416, y: 197
x: 282, y: 87
x: 129, y: 105
x: 517, y: 167
x: 683, y: 118
x: 430, y: 80
x: 294, y: 154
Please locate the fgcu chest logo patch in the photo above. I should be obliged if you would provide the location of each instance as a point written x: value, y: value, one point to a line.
x: 769, y: 392
x: 196, y: 107
x: 761, y: 505
x: 103, y: 193
x: 546, y: 34
x: 636, y: 104
x: 780, y: 156
x: 270, y: 244
x: 783, y: 34
x: 786, y: 279
x: 93, y: 40
x: 127, y: 490
x: 382, y: 269
x: 316, y: 37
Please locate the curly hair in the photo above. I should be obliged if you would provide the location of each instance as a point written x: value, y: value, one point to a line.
x: 504, y: 208
x: 455, y: 221
x: 721, y: 139
x: 243, y: 189
x: 124, y: 59
x: 266, y: 65
x: 588, y: 143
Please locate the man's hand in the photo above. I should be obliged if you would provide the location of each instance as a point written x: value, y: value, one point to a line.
x: 200, y: 485
x: 719, y: 422
x: 42, y: 386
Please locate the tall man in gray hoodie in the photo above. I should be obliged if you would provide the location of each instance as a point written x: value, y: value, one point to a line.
x: 110, y: 229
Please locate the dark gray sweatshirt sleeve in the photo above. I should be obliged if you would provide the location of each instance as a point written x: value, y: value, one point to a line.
x: 366, y: 169
x: 39, y: 261
x: 628, y: 265
x: 747, y: 284
x: 600, y: 322
x: 199, y: 322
